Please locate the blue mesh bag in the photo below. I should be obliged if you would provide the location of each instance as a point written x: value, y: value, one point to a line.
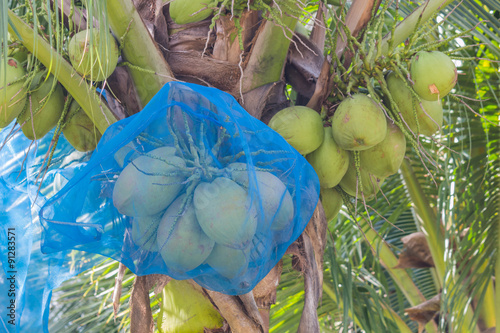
x: 28, y: 276
x: 191, y: 187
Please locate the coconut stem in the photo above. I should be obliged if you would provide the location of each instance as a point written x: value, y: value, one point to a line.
x: 359, y: 182
x: 177, y: 142
x: 268, y: 56
x: 139, y: 49
x: 53, y: 144
x: 436, y: 44
x: 192, y: 147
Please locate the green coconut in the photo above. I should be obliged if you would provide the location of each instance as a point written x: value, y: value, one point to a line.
x: 93, y: 58
x: 433, y: 74
x: 12, y: 94
x: 371, y: 183
x: 301, y: 29
x: 429, y: 114
x: 190, y: 11
x: 277, y: 203
x: 20, y: 54
x: 301, y: 127
x: 46, y: 111
x: 182, y: 243
x: 227, y: 261
x: 125, y: 154
x: 149, y: 183
x: 329, y: 161
x: 16, y: 49
x: 144, y: 231
x: 79, y: 129
x: 385, y: 158
x: 184, y: 308
x: 226, y: 212
x: 332, y: 202
x: 358, y: 123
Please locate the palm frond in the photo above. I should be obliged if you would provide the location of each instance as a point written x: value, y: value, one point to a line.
x: 85, y: 304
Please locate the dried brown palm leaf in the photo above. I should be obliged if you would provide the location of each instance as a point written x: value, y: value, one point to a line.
x: 416, y: 252
x: 425, y: 312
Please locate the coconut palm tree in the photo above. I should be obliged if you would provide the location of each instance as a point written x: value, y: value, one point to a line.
x: 419, y: 256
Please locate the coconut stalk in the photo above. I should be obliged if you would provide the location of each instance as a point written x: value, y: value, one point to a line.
x: 430, y: 224
x: 268, y: 55
x: 85, y: 95
x: 148, y: 68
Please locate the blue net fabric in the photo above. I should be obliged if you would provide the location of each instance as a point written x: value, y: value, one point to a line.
x: 191, y: 187
x: 28, y: 276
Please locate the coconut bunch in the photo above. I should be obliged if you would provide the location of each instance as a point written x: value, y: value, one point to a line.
x: 197, y: 211
x: 40, y: 103
x: 361, y: 144
x: 35, y: 99
x: 36, y: 102
x: 304, y: 129
x: 416, y: 98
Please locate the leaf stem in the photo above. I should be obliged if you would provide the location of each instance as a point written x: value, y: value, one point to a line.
x: 405, y: 28
x: 435, y: 238
x: 268, y: 56
x: 388, y: 312
x: 139, y: 49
